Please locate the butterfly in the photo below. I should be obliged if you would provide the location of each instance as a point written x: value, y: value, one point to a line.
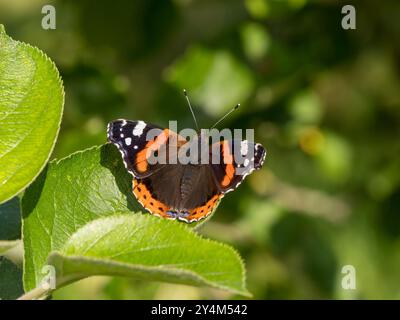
x: 174, y: 190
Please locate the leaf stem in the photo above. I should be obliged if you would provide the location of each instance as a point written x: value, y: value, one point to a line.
x: 35, y: 294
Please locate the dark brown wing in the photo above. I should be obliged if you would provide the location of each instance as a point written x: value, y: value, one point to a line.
x: 184, y: 192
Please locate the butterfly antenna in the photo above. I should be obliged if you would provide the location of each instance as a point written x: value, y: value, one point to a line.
x: 227, y: 114
x: 191, y: 109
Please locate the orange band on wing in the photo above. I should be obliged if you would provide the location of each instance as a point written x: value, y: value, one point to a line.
x: 205, y: 210
x: 145, y: 198
x: 151, y: 146
x: 158, y: 208
x: 228, y: 161
x: 141, y: 161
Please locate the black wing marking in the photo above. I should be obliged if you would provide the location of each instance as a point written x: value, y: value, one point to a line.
x: 131, y: 137
x: 237, y: 159
x: 139, y: 141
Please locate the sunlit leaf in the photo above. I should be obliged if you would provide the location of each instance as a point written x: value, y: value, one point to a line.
x: 67, y: 195
x: 149, y: 248
x: 31, y: 103
x: 89, y: 185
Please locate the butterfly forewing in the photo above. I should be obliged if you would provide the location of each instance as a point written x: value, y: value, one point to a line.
x: 237, y: 159
x: 138, y: 142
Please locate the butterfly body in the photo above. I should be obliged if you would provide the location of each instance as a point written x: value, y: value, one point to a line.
x: 172, y: 189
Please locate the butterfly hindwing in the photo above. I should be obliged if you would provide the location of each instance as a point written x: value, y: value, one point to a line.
x: 177, y: 191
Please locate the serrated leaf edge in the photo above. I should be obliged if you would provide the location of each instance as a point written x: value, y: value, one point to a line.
x: 245, y: 292
x: 60, y: 83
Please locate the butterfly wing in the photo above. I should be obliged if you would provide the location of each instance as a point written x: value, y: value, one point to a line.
x: 138, y: 141
x: 177, y: 191
x: 237, y: 159
x: 169, y: 190
x: 163, y: 193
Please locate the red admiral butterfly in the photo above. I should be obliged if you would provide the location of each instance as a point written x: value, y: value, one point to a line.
x: 188, y: 192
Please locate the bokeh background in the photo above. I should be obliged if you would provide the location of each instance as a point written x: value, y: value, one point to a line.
x: 324, y: 101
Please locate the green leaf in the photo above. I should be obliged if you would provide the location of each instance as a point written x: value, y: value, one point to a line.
x: 10, y: 280
x: 10, y: 220
x: 31, y: 103
x: 67, y: 195
x: 74, y: 191
x: 149, y: 248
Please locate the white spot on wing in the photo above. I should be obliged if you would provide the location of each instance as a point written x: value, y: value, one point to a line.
x: 128, y: 141
x: 138, y: 130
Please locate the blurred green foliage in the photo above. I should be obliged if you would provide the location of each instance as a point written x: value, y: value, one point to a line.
x: 324, y: 101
